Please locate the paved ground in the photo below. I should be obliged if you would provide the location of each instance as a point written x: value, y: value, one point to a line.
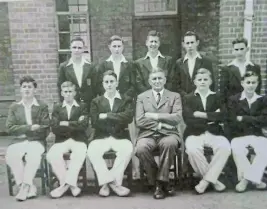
x: 183, y: 200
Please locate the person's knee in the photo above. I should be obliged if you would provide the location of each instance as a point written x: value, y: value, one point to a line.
x: 92, y: 150
x: 141, y: 148
x: 53, y: 155
x: 11, y: 155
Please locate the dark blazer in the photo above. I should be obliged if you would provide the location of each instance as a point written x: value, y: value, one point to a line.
x: 196, y: 126
x: 231, y: 80
x: 169, y: 110
x: 76, y: 128
x: 254, y: 118
x: 86, y: 92
x: 143, y: 68
x: 117, y: 119
x: 181, y: 80
x: 16, y: 122
x: 126, y: 78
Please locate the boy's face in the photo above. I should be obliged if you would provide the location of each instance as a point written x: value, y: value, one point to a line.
x: 116, y: 47
x: 68, y: 93
x: 27, y: 90
x: 152, y: 43
x: 202, y: 81
x: 157, y: 81
x: 77, y: 48
x: 240, y: 50
x: 190, y: 44
x: 250, y: 84
x: 110, y: 83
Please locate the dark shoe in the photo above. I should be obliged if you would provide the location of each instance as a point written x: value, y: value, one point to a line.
x: 159, y: 193
x: 169, y: 190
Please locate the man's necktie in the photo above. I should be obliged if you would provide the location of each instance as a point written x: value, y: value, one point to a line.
x: 158, y: 98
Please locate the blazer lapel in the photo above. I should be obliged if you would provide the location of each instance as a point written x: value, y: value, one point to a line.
x: 147, y: 64
x: 164, y: 99
x: 197, y: 65
x: 116, y: 105
x: 105, y: 105
x: 235, y: 73
x: 86, y: 69
x: 245, y: 106
x: 122, y: 70
x: 34, y: 112
x: 185, y: 68
x: 151, y: 98
x: 72, y: 75
x: 21, y: 115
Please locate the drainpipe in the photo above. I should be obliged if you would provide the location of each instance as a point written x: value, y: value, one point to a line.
x: 248, y: 18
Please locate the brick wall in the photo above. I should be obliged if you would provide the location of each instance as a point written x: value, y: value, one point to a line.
x: 34, y: 45
x: 232, y: 26
x: 109, y: 18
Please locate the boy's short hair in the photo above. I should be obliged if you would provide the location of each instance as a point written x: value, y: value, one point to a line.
x: 249, y: 74
x: 191, y: 33
x: 68, y: 84
x: 28, y: 79
x: 115, y: 38
x: 153, y: 33
x: 202, y: 71
x: 157, y: 70
x: 77, y: 39
x: 111, y: 73
x: 240, y: 40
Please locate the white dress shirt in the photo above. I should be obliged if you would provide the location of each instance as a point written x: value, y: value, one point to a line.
x: 154, y: 60
x: 69, y: 107
x: 241, y: 66
x: 117, y: 64
x: 191, y: 61
x: 204, y: 98
x: 111, y: 100
x: 78, y: 69
x: 251, y: 100
x: 28, y: 110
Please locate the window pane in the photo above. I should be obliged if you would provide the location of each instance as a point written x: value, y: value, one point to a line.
x: 154, y: 6
x: 62, y: 5
x: 64, y: 41
x: 73, y: 8
x: 83, y: 8
x: 72, y: 2
x: 83, y: 1
x: 63, y: 23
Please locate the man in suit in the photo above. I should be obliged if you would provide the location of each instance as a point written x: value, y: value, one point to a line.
x: 69, y: 122
x: 158, y: 112
x: 236, y: 69
x: 122, y: 67
x: 247, y: 117
x: 153, y: 59
x: 78, y: 71
x: 29, y: 120
x: 203, y: 113
x: 111, y: 113
x: 186, y: 67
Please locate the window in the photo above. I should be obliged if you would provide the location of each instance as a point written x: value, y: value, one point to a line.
x: 155, y: 7
x: 72, y: 21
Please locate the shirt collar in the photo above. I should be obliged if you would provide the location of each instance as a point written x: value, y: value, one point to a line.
x: 155, y: 93
x: 253, y: 99
x: 74, y: 103
x: 209, y: 92
x: 117, y: 95
x: 123, y: 59
x: 234, y: 62
x: 34, y: 102
x: 82, y: 63
x: 158, y: 55
x: 186, y: 57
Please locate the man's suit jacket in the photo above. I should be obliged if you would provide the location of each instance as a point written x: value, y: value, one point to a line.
x: 17, y: 125
x: 196, y: 126
x: 86, y: 92
x: 117, y: 119
x: 169, y: 110
x: 231, y: 80
x: 126, y: 78
x: 143, y: 68
x: 181, y: 80
x: 76, y: 128
x: 254, y: 118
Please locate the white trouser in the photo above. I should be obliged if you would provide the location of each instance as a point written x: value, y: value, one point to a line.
x: 96, y: 150
x: 195, y: 150
x: 250, y: 171
x: 24, y: 172
x: 55, y: 158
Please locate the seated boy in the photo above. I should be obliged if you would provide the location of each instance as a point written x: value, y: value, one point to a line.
x: 69, y: 122
x: 247, y: 117
x: 111, y: 113
x: 28, y: 118
x: 203, y: 112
